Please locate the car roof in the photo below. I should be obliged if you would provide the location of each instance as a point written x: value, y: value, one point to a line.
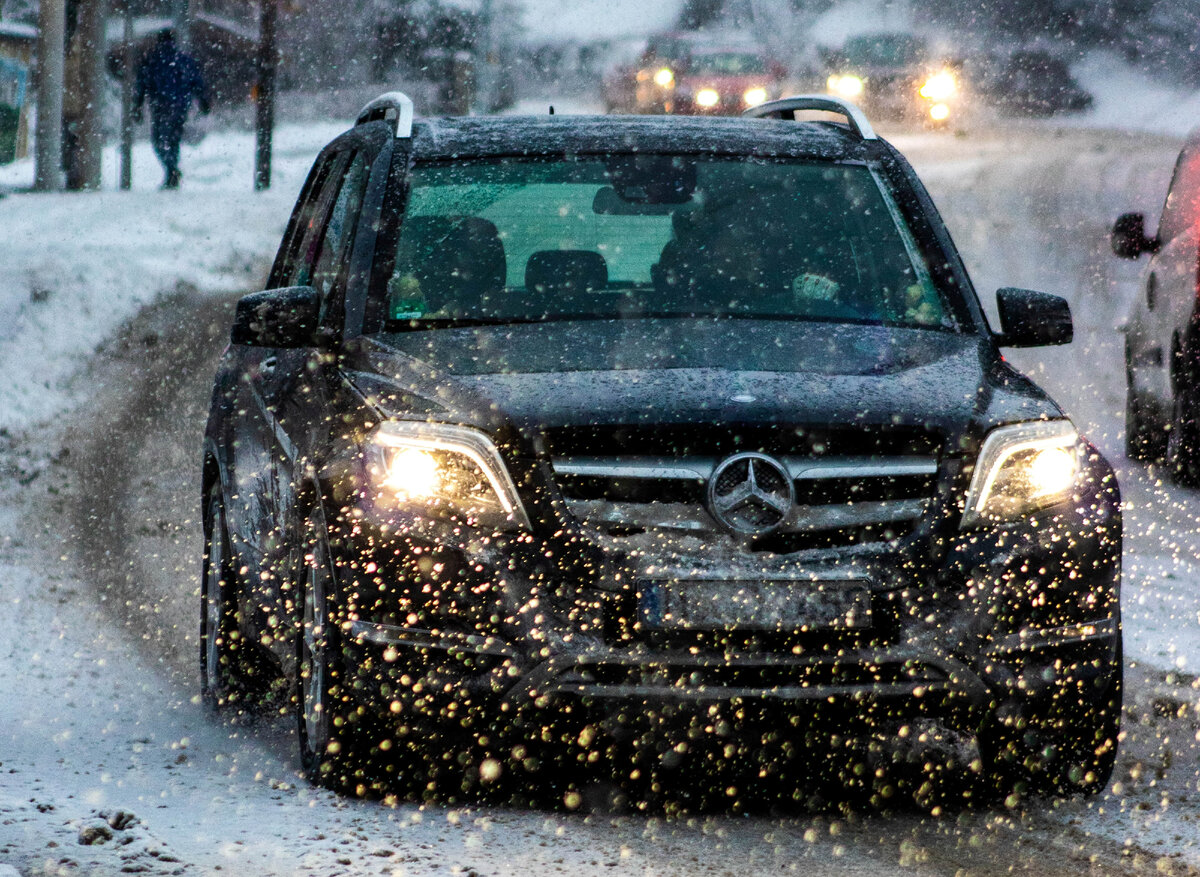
x: 461, y: 137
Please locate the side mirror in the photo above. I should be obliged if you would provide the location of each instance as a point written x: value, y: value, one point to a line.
x: 1033, y: 319
x: 1129, y: 236
x: 277, y: 318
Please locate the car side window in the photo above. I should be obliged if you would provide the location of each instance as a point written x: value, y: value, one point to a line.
x: 294, y: 265
x: 333, y: 253
x: 1182, y: 210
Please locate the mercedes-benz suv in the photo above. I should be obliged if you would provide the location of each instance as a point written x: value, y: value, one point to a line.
x: 631, y: 441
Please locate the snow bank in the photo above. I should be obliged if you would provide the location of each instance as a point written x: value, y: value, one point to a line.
x: 77, y: 265
x: 1130, y: 100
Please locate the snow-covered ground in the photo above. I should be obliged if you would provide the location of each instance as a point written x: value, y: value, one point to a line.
x: 90, y: 728
x: 75, y: 266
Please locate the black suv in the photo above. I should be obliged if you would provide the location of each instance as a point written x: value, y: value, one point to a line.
x: 640, y: 440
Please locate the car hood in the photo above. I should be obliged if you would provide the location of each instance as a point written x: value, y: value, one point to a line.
x: 697, y: 371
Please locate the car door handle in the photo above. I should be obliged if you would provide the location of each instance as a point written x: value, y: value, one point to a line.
x: 268, y: 365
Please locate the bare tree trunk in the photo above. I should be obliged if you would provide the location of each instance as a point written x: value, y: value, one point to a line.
x: 90, y: 33
x: 52, y: 21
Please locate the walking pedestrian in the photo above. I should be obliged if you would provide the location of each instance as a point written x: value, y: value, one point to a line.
x: 170, y: 78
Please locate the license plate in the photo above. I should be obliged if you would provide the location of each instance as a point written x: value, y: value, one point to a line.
x: 754, y: 605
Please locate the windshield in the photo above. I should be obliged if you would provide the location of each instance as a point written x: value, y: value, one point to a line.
x: 726, y: 64
x: 654, y: 236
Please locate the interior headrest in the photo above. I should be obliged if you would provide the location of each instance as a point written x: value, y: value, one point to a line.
x: 566, y: 271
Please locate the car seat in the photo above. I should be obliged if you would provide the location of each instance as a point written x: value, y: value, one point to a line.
x: 565, y: 281
x: 458, y: 263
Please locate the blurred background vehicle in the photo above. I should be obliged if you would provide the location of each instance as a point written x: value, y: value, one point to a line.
x: 646, y: 84
x: 1038, y: 83
x: 1162, y: 333
x: 726, y: 79
x: 896, y: 76
x: 694, y: 73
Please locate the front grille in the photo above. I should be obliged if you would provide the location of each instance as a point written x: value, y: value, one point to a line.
x: 839, y: 500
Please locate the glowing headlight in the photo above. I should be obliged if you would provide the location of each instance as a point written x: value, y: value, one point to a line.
x: 754, y: 96
x: 443, y: 470
x: 940, y: 87
x: 1022, y: 468
x: 849, y: 86
x: 665, y: 77
x: 939, y: 112
x: 707, y: 98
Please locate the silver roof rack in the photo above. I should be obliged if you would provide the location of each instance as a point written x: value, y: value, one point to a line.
x: 854, y: 116
x: 395, y: 107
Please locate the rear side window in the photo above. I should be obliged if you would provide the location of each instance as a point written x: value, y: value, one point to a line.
x: 623, y: 237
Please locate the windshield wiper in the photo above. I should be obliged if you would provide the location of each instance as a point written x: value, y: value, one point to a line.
x: 420, y: 323
x: 406, y: 325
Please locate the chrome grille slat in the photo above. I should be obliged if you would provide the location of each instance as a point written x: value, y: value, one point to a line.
x: 701, y: 468
x: 618, y: 491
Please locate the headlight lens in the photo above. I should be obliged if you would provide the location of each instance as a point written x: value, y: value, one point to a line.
x: 755, y: 96
x: 939, y: 112
x: 849, y: 86
x: 442, y: 470
x: 1022, y: 468
x: 940, y: 86
x: 707, y: 98
x: 664, y: 78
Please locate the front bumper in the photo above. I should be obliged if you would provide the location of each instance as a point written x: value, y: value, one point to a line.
x: 1011, y: 615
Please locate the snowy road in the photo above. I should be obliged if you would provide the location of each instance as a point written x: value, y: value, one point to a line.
x: 98, y: 708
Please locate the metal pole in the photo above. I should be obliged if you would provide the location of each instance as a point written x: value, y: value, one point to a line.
x: 52, y: 27
x: 127, y: 101
x: 90, y: 33
x: 265, y: 95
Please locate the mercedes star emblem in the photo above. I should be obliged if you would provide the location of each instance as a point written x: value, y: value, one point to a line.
x: 751, y: 494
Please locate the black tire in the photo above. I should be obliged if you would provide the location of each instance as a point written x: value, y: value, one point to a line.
x: 231, y: 673
x: 1143, y: 441
x: 1069, y: 748
x: 1183, y: 439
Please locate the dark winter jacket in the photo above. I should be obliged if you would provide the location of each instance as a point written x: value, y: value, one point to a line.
x: 170, y: 79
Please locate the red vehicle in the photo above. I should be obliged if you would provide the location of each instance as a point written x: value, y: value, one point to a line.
x: 678, y: 73
x: 725, y: 81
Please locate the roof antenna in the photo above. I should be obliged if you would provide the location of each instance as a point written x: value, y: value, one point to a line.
x: 552, y: 109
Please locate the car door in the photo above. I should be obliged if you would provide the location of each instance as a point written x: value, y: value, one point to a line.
x: 301, y: 396
x: 251, y: 507
x: 1170, y: 288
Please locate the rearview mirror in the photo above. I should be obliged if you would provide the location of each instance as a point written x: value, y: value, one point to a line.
x: 277, y: 318
x: 1033, y: 319
x: 1129, y: 236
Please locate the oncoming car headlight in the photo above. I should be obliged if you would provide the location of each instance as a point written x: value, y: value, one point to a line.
x: 707, y: 98
x: 940, y: 86
x: 1022, y: 468
x: 848, y: 86
x: 755, y: 96
x: 442, y: 470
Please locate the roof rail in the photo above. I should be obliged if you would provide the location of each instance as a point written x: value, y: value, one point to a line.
x: 395, y: 107
x: 856, y: 118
